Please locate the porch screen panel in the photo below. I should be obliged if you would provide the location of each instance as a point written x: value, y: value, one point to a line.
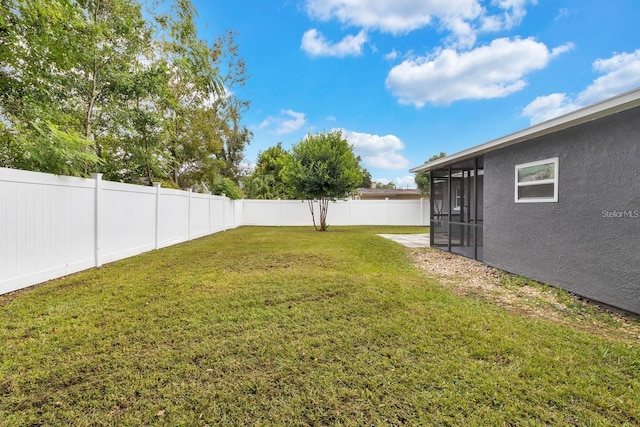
x: 456, y: 217
x: 440, y: 210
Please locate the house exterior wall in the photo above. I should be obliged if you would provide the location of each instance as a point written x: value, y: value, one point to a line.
x: 589, y: 241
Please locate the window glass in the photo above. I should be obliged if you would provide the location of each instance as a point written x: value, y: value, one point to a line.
x: 537, y: 181
x: 536, y: 173
x: 536, y: 191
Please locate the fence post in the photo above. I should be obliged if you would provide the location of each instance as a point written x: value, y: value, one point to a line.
x: 233, y: 211
x: 98, y: 205
x: 189, y: 216
x: 157, y: 238
x: 209, y: 218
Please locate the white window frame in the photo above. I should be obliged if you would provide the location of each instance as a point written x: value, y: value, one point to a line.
x: 554, y: 181
x: 457, y: 198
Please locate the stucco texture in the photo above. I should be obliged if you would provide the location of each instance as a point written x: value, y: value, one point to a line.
x: 589, y: 241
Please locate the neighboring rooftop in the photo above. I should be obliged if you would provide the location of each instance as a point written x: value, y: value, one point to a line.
x: 389, y: 193
x: 596, y: 111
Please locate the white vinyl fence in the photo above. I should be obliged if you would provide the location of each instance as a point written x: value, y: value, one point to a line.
x: 349, y: 212
x: 51, y: 226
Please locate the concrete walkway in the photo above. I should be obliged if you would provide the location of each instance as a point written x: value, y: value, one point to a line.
x: 409, y: 240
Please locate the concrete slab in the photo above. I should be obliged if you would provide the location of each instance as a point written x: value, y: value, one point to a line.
x: 409, y: 240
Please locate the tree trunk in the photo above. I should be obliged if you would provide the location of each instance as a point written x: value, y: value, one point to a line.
x: 324, y: 207
x: 313, y: 215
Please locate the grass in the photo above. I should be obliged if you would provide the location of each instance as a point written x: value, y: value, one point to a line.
x: 287, y: 326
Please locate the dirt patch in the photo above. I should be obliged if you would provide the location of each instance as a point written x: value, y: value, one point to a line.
x: 473, y: 279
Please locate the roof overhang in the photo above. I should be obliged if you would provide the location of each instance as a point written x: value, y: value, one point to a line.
x: 605, y: 108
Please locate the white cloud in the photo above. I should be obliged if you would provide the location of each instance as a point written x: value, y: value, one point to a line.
x: 549, y: 106
x: 463, y: 34
x: 621, y: 73
x: 563, y: 12
x: 289, y: 121
x: 391, y: 56
x: 556, y: 51
x: 400, y: 182
x: 315, y: 44
x: 490, y: 71
x: 407, y: 181
x: 383, y: 181
x: 463, y: 19
x: 380, y: 152
x: 396, y: 17
x: 514, y: 11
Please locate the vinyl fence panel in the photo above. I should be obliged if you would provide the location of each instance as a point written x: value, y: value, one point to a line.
x: 408, y: 212
x: 218, y: 215
x: 51, y: 226
x: 369, y: 212
x: 127, y: 220
x: 199, y: 215
x: 349, y: 212
x: 173, y: 217
x: 46, y: 227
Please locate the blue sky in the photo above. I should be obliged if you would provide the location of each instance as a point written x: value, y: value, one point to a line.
x: 406, y: 79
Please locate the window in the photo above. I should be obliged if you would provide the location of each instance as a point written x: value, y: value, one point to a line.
x: 537, y: 181
x: 457, y: 199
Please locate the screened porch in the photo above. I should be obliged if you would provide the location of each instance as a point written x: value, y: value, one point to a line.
x: 456, y: 208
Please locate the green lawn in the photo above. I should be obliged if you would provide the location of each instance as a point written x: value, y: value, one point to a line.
x: 288, y: 326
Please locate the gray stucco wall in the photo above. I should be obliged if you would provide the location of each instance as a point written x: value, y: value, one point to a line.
x: 572, y: 244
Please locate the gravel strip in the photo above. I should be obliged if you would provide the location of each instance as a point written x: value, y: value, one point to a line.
x: 471, y: 278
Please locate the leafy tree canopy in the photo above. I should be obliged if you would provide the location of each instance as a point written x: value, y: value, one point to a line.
x: 423, y: 179
x: 366, y: 178
x: 266, y: 181
x: 272, y: 160
x: 224, y: 186
x: 388, y: 185
x: 101, y: 86
x: 323, y: 168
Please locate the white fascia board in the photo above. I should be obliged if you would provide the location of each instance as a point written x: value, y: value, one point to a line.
x: 605, y: 108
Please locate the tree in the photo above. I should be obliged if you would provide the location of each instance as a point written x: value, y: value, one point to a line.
x: 193, y: 81
x: 366, y: 176
x: 46, y: 80
x: 387, y: 186
x: 100, y: 86
x: 423, y: 179
x: 266, y: 181
x: 72, y: 71
x: 224, y: 186
x: 366, y: 179
x: 322, y: 168
x: 234, y: 136
x: 259, y: 187
x: 205, y: 137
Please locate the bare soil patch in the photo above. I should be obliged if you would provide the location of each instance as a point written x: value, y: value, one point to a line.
x: 471, y: 278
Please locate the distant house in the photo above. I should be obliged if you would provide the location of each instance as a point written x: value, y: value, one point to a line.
x: 558, y: 202
x: 389, y: 193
